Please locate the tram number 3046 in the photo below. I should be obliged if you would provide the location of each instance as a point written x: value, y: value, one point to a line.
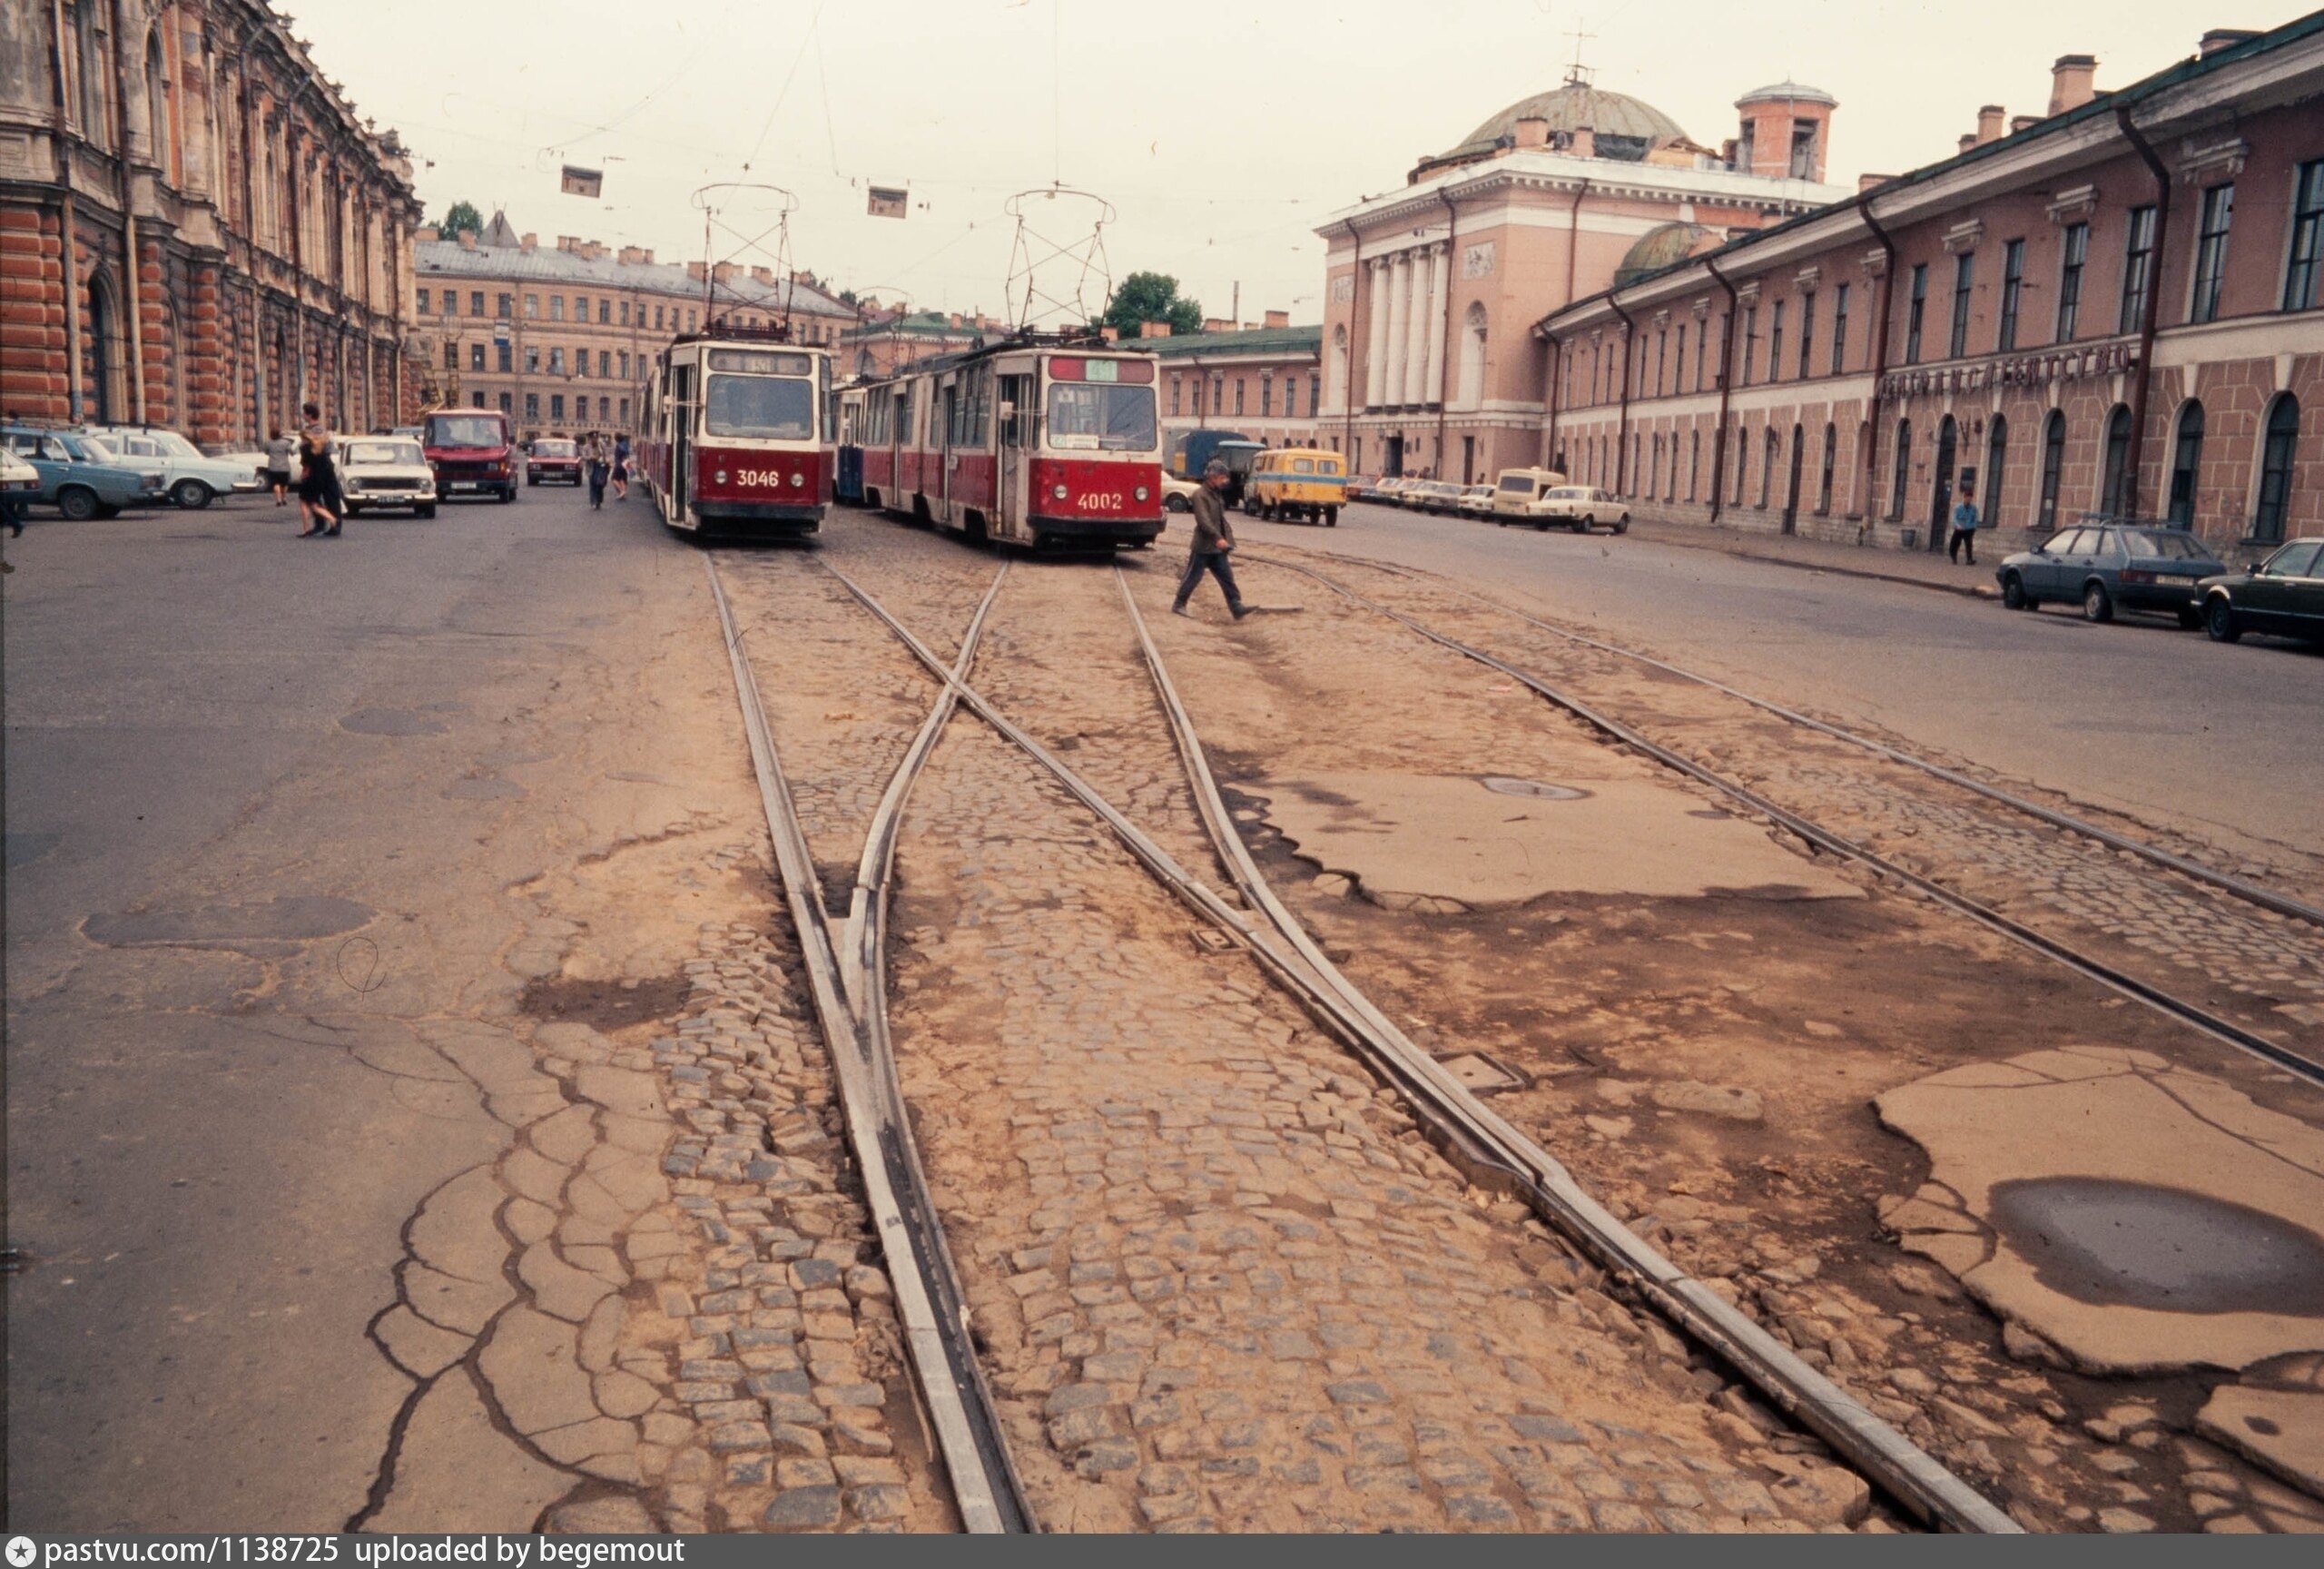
x: 769, y: 478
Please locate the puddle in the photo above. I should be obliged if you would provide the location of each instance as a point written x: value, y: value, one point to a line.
x: 2113, y: 1243
x: 391, y: 722
x: 279, y: 920
x: 1534, y: 789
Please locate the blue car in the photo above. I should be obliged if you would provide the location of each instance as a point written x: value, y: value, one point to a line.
x: 80, y: 476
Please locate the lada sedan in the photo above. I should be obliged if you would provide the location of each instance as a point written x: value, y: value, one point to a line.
x: 2106, y: 565
x: 376, y: 471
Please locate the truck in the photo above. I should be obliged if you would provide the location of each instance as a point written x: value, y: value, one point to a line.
x: 1191, y: 451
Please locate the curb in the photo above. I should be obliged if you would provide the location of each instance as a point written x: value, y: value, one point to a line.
x: 1968, y: 590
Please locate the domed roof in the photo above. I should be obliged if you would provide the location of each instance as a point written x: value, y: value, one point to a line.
x: 1665, y: 245
x: 1790, y: 91
x: 1634, y: 126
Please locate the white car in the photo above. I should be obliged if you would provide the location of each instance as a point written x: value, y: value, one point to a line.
x: 19, y: 480
x: 376, y: 471
x: 1179, y: 495
x: 192, y: 476
x: 1580, y: 508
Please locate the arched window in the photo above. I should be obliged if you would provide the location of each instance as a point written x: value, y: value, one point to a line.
x: 2053, y: 468
x: 1769, y: 449
x: 1654, y: 475
x: 102, y: 366
x: 1903, y: 471
x: 1671, y: 483
x: 1996, y: 458
x: 1338, y: 391
x: 2277, y: 447
x: 1742, y: 464
x: 2116, y: 478
x: 2186, y: 464
x: 96, y: 74
x: 1824, y: 480
x: 1472, y: 356
x: 1694, y: 462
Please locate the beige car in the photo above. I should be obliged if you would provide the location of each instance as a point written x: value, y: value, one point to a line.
x: 1518, y: 491
x: 1179, y: 495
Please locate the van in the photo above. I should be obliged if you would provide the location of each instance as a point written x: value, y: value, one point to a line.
x: 1521, y: 492
x: 472, y: 452
x: 1301, y: 484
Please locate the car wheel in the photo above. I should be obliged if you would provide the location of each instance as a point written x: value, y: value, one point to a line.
x: 1175, y: 504
x: 2219, y: 621
x: 2190, y: 618
x: 507, y: 493
x: 1623, y: 525
x: 532, y: 479
x: 2013, y: 594
x: 2097, y: 604
x: 1584, y: 524
x: 108, y: 510
x: 427, y: 511
x: 76, y: 503
x: 192, y: 494
x: 1331, y: 516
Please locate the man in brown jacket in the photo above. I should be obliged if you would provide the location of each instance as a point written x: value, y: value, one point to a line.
x: 1214, y: 537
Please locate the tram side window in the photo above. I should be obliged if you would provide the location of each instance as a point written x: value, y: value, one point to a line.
x: 1017, y: 420
x: 769, y: 408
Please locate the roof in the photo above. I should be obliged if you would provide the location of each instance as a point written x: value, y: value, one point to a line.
x: 923, y: 324
x: 1636, y: 126
x: 2106, y: 104
x: 1261, y: 340
x: 449, y: 258
x: 1790, y: 91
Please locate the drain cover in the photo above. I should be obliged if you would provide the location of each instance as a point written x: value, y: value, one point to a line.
x: 1482, y: 1074
x: 1211, y: 941
x: 1501, y: 783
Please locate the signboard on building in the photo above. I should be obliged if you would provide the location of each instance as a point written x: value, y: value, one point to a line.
x: 577, y: 181
x: 887, y: 201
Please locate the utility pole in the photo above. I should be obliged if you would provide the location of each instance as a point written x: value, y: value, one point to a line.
x: 1234, y: 311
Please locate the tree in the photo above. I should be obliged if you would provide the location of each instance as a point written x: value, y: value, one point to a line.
x: 1146, y: 297
x: 462, y: 218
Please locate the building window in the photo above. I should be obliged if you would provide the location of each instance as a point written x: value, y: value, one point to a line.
x: 1218, y: 394
x: 605, y: 313
x: 556, y: 361
x: 1267, y: 394
x: 1751, y: 341
x: 580, y: 307
x: 556, y: 307
x: 2307, y: 266
x: 2053, y: 468
x: 1839, y: 326
x: 624, y: 411
x: 1775, y: 343
x: 476, y: 399
x: 557, y: 407
x: 423, y: 302
x: 2275, y: 469
x: 507, y: 306
x: 657, y: 318
x: 2012, y: 279
x: 2186, y: 464
x: 2116, y: 478
x: 2210, y: 251
x: 1771, y: 448
x: 580, y: 361
x: 2075, y: 252
x: 1679, y: 370
x: 1654, y: 475
x: 1964, y: 268
x: 1904, y: 466
x: 625, y: 312
x: 1315, y: 393
x: 451, y: 301
x: 604, y: 362
x: 2138, y: 267
x: 622, y: 359
x: 1824, y: 479
x: 1661, y: 359
x: 532, y: 307
x: 532, y: 359
x: 476, y: 356
x: 507, y: 355
x: 1807, y: 333
x: 1694, y: 462
x: 1996, y: 460
x: 532, y: 407
x: 508, y: 403
x: 605, y: 408
x: 451, y: 355
x: 1239, y: 395
x: 1912, y: 315
x: 1178, y: 391
x: 476, y: 303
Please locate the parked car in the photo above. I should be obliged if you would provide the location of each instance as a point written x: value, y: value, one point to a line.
x: 376, y: 471
x: 2106, y: 565
x: 1361, y: 487
x: 19, y: 484
x: 1476, y: 500
x: 2283, y: 595
x: 195, y: 478
x: 1580, y: 508
x: 80, y: 476
x: 1297, y: 483
x: 1435, y: 496
x: 471, y: 451
x: 553, y: 460
x: 1519, y: 492
x: 1177, y: 495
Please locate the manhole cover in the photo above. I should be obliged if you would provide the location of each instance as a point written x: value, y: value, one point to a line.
x: 1501, y: 783
x: 1210, y: 940
x: 1480, y: 1074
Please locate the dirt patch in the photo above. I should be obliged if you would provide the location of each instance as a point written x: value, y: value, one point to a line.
x: 606, y: 1006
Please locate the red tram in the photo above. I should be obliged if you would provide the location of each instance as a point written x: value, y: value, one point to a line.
x: 740, y: 431
x: 1035, y: 442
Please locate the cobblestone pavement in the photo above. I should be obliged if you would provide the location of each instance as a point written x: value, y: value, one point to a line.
x: 2271, y: 967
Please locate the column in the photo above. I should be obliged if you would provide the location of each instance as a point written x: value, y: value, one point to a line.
x: 1375, y: 351
x: 1399, y: 325
x: 1416, y: 330
x: 1433, y: 374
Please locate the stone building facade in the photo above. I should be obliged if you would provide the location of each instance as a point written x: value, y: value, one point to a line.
x: 196, y: 229
x: 1431, y: 290
x: 1265, y: 382
x: 561, y: 338
x: 2111, y: 307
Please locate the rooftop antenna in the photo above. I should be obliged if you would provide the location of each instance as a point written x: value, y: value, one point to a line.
x: 1578, y: 75
x: 716, y: 201
x: 1050, y: 274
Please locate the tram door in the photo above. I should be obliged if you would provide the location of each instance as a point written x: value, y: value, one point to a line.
x: 681, y: 417
x: 1018, y: 424
x: 949, y: 405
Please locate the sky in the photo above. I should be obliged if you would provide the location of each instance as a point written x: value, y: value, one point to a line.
x: 1213, y: 136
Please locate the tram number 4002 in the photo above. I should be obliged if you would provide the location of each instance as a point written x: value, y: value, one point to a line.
x: 1100, y: 501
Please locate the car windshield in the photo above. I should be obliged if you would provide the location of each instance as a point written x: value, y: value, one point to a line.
x: 170, y: 441
x: 1517, y: 483
x: 383, y: 452
x: 2293, y: 561
x: 96, y: 452
x: 1111, y: 418
x: 552, y: 449
x: 2166, y: 544
x: 465, y: 430
x: 767, y: 407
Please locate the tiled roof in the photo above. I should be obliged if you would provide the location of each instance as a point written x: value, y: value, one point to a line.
x: 1261, y: 340
x: 450, y: 259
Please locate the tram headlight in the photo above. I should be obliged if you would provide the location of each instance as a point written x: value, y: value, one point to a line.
x: 797, y: 479
x: 1057, y: 492
x: 720, y: 476
x: 1141, y: 492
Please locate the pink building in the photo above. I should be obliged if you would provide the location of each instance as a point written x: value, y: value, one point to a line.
x: 2111, y: 307
x: 1428, y: 358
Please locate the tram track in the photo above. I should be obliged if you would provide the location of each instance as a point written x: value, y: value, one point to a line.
x: 2109, y: 975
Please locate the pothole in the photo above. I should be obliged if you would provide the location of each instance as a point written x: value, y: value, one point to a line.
x: 605, y: 1005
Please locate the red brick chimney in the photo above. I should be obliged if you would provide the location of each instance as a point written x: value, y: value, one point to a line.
x: 1864, y: 182
x: 529, y: 242
x: 1533, y: 132
x: 1144, y: 329
x: 2074, y: 81
x: 1583, y: 141
x: 1278, y: 318
x: 2219, y: 38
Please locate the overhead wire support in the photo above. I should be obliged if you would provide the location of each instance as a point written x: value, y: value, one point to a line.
x: 1081, y: 259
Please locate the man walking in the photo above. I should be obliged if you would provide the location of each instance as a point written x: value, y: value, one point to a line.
x: 1214, y: 537
x: 1964, y: 530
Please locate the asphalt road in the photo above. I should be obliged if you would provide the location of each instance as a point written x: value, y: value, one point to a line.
x: 2219, y: 741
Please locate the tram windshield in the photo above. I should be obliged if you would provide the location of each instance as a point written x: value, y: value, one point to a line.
x: 1094, y: 416
x: 766, y: 408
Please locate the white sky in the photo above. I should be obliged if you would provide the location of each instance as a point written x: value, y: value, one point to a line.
x: 1220, y: 132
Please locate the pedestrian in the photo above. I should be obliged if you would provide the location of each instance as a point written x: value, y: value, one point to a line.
x: 621, y: 467
x: 1964, y: 530
x: 278, y: 464
x: 1214, y: 538
x: 598, y: 459
x: 318, y: 495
